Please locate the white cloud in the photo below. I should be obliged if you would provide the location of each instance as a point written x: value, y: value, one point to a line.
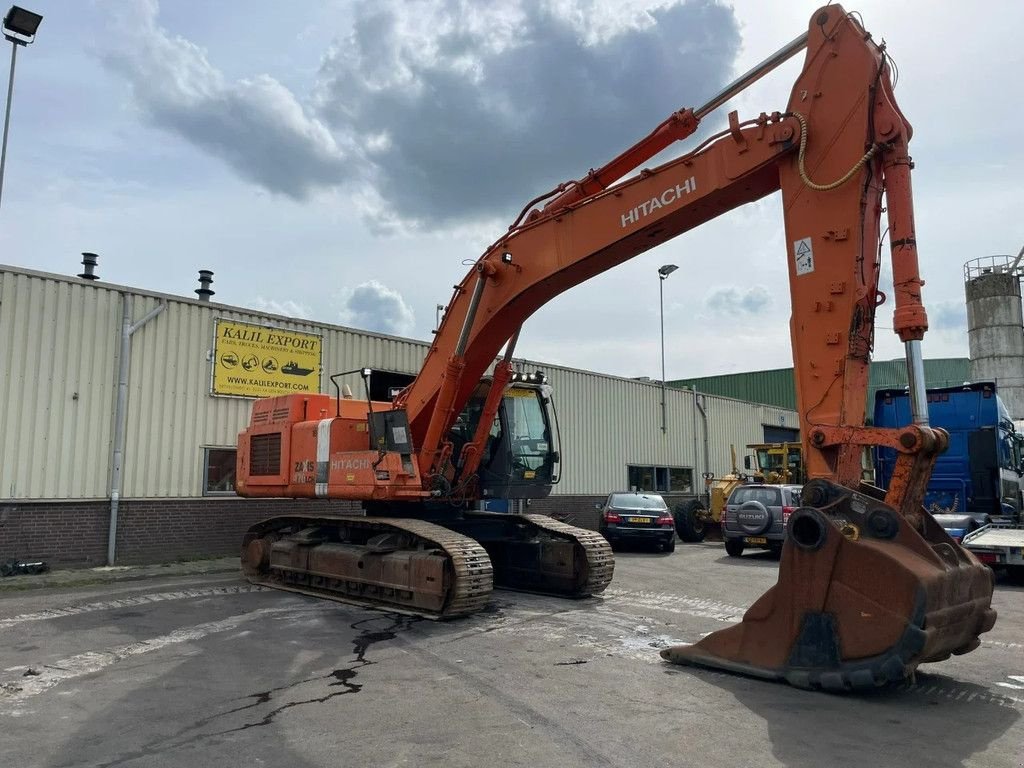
x: 373, y: 306
x: 753, y: 300
x: 255, y: 124
x: 287, y: 307
x: 438, y: 112
x: 463, y: 110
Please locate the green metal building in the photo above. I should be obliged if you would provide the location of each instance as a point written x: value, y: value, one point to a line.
x: 775, y: 387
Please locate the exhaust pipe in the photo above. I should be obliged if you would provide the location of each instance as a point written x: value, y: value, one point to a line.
x: 205, y: 280
x: 89, y: 261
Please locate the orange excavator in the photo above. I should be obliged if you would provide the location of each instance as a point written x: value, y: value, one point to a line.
x: 869, y: 585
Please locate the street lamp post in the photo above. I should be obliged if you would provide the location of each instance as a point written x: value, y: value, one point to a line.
x: 663, y: 272
x: 20, y: 28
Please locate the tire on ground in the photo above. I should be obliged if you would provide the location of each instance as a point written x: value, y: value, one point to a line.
x: 690, y: 526
x: 734, y: 547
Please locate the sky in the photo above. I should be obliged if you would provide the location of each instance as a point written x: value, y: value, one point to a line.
x: 346, y: 161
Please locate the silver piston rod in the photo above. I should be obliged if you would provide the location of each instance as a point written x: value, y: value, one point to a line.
x: 756, y: 73
x: 915, y: 383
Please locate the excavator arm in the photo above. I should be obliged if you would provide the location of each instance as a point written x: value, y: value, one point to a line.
x: 870, y: 586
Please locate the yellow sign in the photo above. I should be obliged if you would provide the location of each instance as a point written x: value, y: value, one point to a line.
x: 515, y: 391
x: 260, y: 361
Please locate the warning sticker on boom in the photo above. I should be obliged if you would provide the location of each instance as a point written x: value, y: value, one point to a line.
x: 803, y: 256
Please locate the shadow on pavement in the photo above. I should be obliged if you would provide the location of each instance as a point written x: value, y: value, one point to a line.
x: 936, y: 720
x: 763, y: 559
x: 1011, y: 581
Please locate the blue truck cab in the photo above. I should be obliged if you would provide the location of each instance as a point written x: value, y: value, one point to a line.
x: 978, y: 479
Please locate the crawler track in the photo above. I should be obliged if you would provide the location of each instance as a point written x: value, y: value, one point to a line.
x: 600, y: 561
x: 273, y: 556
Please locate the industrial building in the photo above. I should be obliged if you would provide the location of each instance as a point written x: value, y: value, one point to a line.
x: 776, y: 386
x: 119, y: 415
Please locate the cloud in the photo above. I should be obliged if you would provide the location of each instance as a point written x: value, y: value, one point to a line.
x: 373, y: 306
x: 288, y: 308
x: 431, y: 113
x: 255, y: 125
x: 947, y: 316
x: 752, y: 301
x: 462, y: 110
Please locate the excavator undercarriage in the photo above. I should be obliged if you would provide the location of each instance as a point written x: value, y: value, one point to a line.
x: 420, y: 567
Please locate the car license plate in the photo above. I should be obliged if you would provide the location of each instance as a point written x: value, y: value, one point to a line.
x: 637, y: 520
x: 755, y: 540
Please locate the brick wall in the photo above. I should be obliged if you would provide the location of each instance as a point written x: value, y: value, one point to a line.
x: 575, y: 510
x: 148, y: 531
x: 67, y: 532
x: 580, y: 510
x: 163, y: 530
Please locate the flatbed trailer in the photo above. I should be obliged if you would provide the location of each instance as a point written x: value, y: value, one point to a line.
x: 997, y: 544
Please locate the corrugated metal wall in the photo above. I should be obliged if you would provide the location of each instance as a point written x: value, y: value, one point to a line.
x: 608, y: 423
x: 58, y: 348
x: 776, y: 387
x: 940, y: 372
x: 59, y: 341
x: 739, y: 424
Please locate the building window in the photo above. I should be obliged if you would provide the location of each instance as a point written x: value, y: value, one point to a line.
x: 680, y: 479
x: 218, y: 471
x: 660, y: 479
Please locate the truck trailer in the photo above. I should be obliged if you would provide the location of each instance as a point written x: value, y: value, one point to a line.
x: 977, y: 481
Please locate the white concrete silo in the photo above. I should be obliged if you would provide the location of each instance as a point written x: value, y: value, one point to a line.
x: 995, y: 327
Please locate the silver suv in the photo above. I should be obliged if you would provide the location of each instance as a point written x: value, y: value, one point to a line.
x: 756, y: 515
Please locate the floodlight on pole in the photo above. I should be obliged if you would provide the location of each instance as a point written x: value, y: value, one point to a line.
x: 663, y: 272
x: 20, y: 28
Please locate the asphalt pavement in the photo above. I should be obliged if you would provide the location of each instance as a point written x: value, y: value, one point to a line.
x: 202, y: 669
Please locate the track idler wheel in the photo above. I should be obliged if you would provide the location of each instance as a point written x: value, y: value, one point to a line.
x: 862, y: 599
x: 255, y: 557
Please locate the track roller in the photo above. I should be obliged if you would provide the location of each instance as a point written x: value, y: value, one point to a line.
x: 399, y: 564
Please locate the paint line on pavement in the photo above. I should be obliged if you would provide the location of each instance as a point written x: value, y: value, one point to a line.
x: 16, y: 691
x: 125, y: 602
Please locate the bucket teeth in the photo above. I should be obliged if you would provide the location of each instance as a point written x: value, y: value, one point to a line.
x: 862, y: 599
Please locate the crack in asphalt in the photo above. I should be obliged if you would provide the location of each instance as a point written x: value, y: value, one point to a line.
x: 342, y: 678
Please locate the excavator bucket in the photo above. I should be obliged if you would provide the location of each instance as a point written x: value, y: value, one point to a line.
x: 862, y: 598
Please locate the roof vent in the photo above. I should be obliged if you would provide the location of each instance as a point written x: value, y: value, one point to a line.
x: 89, y: 261
x: 204, y: 290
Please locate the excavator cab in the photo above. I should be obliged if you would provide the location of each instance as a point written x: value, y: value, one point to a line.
x: 521, y: 457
